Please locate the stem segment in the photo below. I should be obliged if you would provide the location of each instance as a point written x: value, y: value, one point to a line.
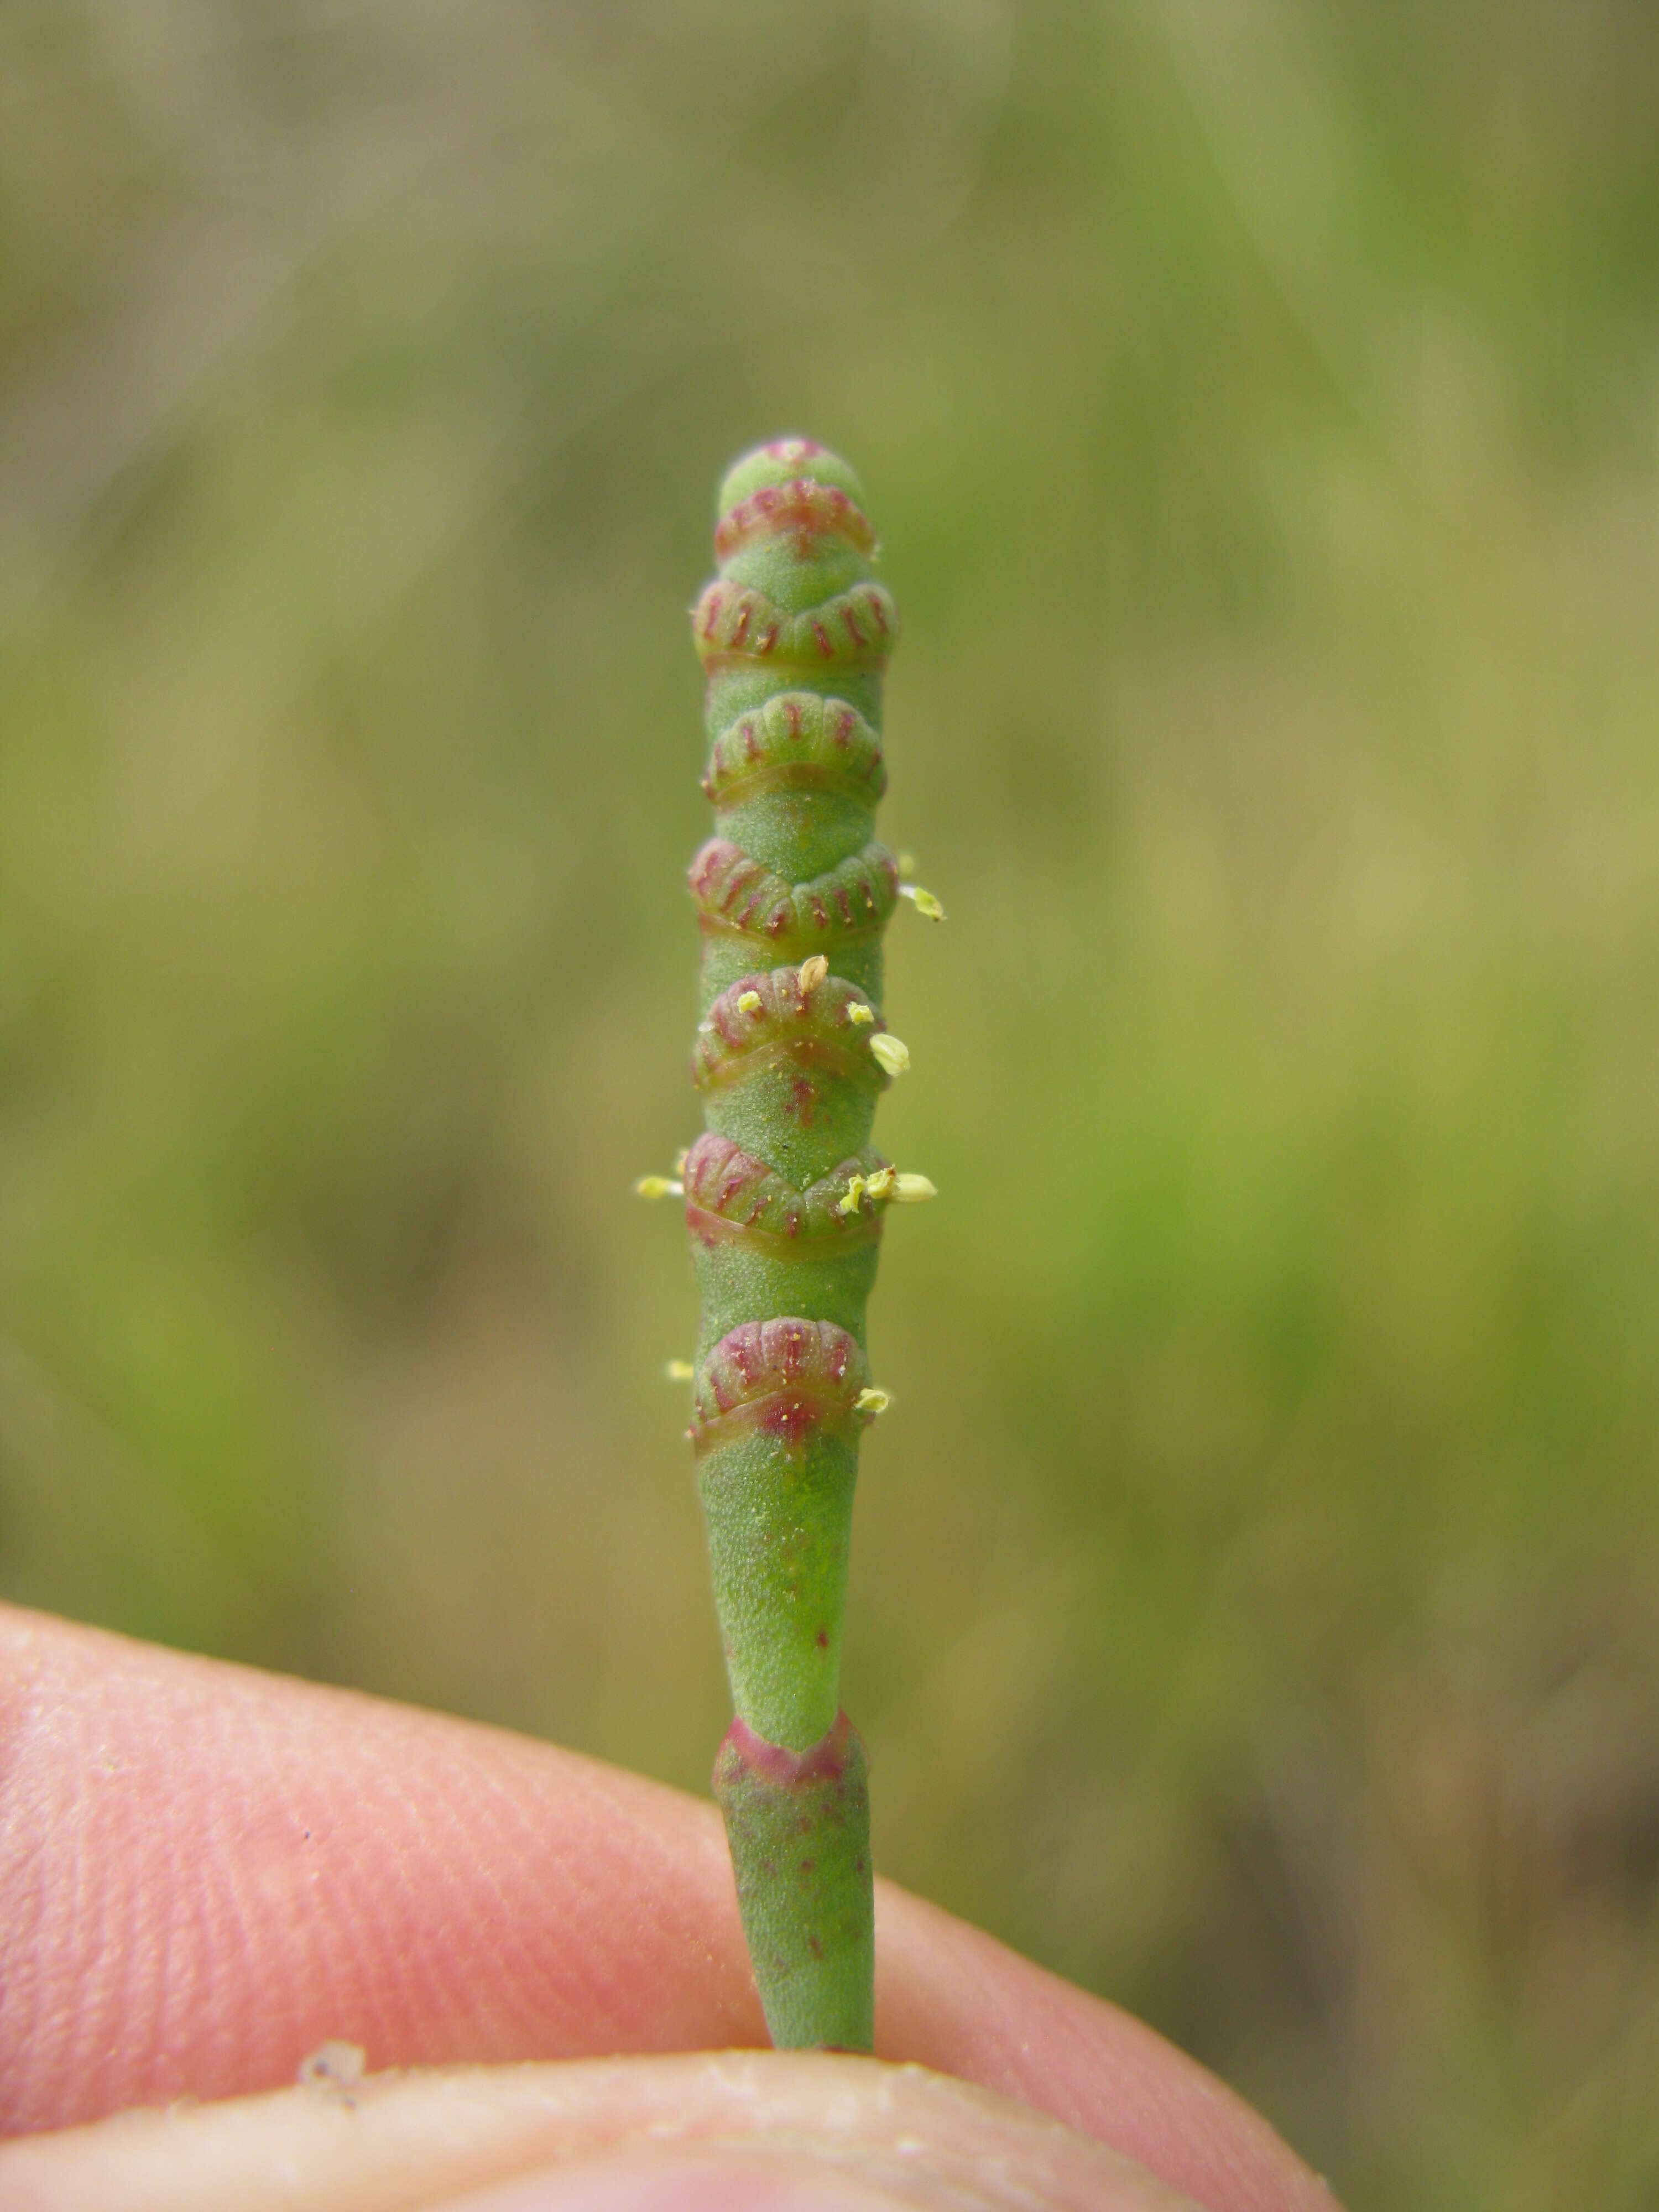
x: 784, y: 1199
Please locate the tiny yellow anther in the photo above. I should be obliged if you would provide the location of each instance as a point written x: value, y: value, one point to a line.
x: 882, y: 1184
x: 892, y: 1053
x: 854, y: 1197
x: 749, y: 1002
x: 678, y: 1370
x: 872, y: 1400
x: 860, y: 1015
x: 924, y: 901
x: 912, y: 1189
x: 659, y: 1187
x: 813, y: 971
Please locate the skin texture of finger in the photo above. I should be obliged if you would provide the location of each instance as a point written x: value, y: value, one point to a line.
x: 792, y: 2131
x: 205, y: 1872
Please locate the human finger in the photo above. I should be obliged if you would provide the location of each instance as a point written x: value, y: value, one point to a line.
x: 207, y: 1872
x: 730, y: 2131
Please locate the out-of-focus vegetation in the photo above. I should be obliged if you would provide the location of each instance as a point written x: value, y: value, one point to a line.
x: 1257, y: 1602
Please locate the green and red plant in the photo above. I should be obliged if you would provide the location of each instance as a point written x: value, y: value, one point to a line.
x: 784, y: 1199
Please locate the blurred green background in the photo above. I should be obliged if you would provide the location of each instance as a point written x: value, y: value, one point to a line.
x: 1256, y: 1595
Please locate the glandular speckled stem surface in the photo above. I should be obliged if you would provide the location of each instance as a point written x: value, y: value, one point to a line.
x: 784, y: 1200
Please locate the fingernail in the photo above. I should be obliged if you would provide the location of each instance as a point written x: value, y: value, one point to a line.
x: 678, y: 2181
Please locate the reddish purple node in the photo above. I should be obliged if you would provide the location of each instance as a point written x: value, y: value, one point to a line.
x: 791, y: 1420
x: 782, y: 1769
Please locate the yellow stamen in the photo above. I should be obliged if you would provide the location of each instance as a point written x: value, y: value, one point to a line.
x: 913, y: 1190
x: 891, y: 1053
x: 854, y: 1196
x: 872, y: 1400
x: 749, y: 1002
x: 678, y: 1370
x: 924, y: 901
x: 813, y: 971
x: 860, y: 1015
x: 882, y: 1184
x: 659, y: 1187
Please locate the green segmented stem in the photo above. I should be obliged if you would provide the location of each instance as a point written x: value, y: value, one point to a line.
x: 784, y: 1198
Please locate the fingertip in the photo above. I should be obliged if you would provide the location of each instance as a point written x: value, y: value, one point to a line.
x: 660, y: 2182
x: 791, y: 2131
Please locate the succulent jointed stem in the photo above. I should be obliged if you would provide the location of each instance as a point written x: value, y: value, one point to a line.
x: 784, y: 1199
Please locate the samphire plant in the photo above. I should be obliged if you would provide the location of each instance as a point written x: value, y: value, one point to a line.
x: 784, y: 1199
